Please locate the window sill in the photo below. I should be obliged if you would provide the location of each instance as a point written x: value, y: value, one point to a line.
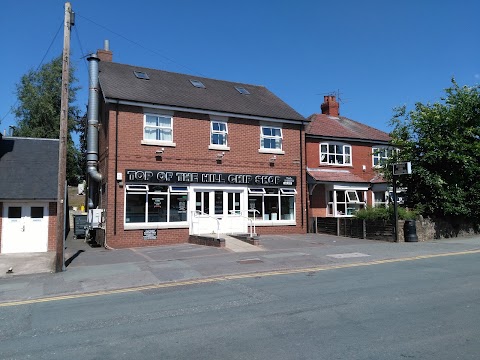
x: 142, y: 226
x: 219, y: 147
x: 271, y: 151
x: 158, y: 143
x: 336, y: 165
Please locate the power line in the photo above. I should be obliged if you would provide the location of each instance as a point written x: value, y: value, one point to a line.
x: 142, y: 46
x: 83, y: 55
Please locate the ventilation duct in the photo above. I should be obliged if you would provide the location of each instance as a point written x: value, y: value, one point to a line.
x: 92, y: 128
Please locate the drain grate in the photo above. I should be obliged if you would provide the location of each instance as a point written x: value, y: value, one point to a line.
x: 250, y: 261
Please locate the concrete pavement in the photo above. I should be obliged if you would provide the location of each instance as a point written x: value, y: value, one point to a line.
x: 98, y: 269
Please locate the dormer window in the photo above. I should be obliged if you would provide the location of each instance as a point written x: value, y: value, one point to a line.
x: 335, y: 154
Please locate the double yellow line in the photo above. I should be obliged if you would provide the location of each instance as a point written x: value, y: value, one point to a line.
x: 230, y: 277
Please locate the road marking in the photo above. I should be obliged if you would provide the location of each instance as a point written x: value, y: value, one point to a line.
x: 348, y: 255
x: 231, y: 277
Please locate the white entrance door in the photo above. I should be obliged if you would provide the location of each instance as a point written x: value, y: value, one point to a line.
x: 219, y: 210
x: 24, y: 227
x: 228, y: 209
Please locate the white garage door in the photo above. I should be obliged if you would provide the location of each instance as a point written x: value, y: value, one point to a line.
x: 24, y: 227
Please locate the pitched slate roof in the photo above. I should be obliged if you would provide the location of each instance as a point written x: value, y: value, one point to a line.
x: 343, y: 128
x: 28, y: 168
x: 118, y: 81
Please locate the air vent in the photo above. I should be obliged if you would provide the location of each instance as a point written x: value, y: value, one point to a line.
x: 197, y: 84
x: 242, y: 90
x: 141, y: 75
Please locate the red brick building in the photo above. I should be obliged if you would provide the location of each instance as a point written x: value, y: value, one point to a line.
x: 181, y: 155
x: 341, y: 159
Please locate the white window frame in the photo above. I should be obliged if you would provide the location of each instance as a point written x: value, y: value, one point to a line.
x: 335, y: 154
x: 281, y: 193
x: 256, y: 190
x: 144, y: 189
x: 381, y: 154
x: 352, y: 202
x: 156, y: 141
x: 380, y: 203
x: 213, y: 146
x: 263, y: 137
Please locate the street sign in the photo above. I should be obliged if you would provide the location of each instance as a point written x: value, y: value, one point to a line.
x: 402, y: 168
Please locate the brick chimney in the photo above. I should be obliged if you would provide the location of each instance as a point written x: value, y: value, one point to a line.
x: 330, y: 106
x: 105, y: 54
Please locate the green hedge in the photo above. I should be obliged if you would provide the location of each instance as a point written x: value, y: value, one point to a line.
x: 385, y: 213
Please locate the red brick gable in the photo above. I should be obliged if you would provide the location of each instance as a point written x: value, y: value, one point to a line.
x: 342, y: 127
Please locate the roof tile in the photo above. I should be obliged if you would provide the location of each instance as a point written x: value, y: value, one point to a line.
x: 118, y: 81
x: 342, y: 127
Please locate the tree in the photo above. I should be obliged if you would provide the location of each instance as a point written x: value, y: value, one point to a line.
x: 442, y: 140
x: 38, y: 112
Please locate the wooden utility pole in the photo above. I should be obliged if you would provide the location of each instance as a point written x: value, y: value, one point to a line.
x: 62, y: 151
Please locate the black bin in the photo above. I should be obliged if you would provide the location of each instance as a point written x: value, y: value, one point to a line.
x: 79, y: 223
x: 410, y: 231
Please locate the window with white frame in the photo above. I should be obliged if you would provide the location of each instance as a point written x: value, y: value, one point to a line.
x: 380, y: 198
x: 158, y: 128
x: 380, y: 155
x: 155, y: 204
x: 271, y: 138
x: 345, y: 202
x: 271, y: 203
x: 335, y: 154
x: 218, y: 133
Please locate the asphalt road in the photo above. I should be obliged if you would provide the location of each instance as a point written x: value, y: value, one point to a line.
x: 422, y: 309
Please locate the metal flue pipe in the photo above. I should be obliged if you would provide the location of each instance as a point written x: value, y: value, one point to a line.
x: 92, y: 127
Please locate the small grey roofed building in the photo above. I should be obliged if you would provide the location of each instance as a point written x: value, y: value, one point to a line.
x: 162, y: 88
x: 28, y: 168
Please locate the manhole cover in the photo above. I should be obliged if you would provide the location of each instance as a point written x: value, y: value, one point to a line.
x: 249, y: 261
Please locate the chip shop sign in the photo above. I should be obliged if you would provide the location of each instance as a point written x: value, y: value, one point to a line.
x: 159, y: 176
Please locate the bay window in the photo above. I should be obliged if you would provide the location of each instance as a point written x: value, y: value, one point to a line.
x: 345, y: 202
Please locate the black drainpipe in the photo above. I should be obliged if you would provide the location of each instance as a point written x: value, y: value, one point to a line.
x: 301, y: 175
x: 116, y: 169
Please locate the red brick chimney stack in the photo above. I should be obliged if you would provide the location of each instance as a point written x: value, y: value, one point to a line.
x: 330, y: 106
x: 105, y: 54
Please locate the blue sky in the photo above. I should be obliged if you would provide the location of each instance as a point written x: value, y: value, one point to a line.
x: 377, y: 54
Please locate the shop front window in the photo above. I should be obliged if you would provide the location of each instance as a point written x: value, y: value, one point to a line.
x: 271, y: 204
x: 288, y: 207
x: 157, y: 207
x: 155, y: 204
x: 135, y: 208
x: 255, y: 207
x: 178, y: 207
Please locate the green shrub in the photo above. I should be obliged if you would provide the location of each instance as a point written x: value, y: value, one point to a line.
x: 385, y: 213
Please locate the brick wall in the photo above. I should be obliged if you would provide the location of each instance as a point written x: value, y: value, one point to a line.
x: 52, y: 226
x: 191, y: 134
x: 361, y: 155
